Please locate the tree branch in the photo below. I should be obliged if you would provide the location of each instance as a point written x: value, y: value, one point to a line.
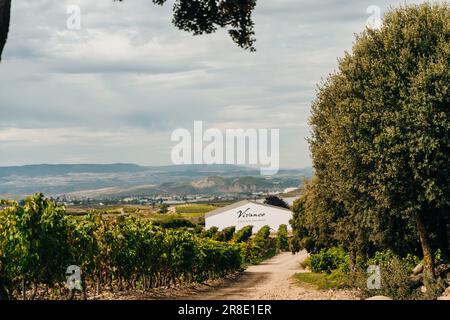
x: 5, y: 12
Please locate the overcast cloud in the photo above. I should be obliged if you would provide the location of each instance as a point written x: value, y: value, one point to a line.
x: 116, y: 89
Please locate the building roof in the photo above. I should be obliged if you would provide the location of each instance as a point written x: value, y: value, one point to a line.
x: 240, y: 204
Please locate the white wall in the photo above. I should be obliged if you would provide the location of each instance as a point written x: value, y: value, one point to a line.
x: 260, y: 216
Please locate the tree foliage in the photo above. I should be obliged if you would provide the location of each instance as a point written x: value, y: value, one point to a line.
x: 261, y: 246
x: 226, y: 234
x: 243, y: 234
x: 283, y: 238
x: 195, y: 16
x: 313, y: 220
x: 380, y: 141
x: 276, y: 201
x: 206, y: 16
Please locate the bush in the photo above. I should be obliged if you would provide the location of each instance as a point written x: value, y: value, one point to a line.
x: 226, y: 234
x: 201, y: 221
x: 395, y: 278
x: 175, y: 223
x: 264, y: 246
x: 282, y: 238
x: 259, y: 248
x: 164, y: 208
x: 210, y: 233
x: 295, y: 244
x: 383, y: 257
x: 198, y: 230
x: 276, y: 201
x: 244, y: 234
x: 329, y: 260
x: 248, y: 253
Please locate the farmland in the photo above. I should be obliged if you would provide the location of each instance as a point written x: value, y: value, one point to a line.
x: 192, y: 212
x: 115, y: 250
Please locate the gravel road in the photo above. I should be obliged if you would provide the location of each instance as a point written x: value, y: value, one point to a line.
x: 270, y: 280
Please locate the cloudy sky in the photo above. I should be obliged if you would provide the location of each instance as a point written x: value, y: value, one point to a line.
x: 116, y: 89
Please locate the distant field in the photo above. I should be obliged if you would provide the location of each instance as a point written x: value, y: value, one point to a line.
x: 110, y: 209
x: 293, y: 193
x: 192, y: 212
x: 194, y: 208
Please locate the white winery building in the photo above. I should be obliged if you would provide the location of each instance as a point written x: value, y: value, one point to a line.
x: 244, y: 213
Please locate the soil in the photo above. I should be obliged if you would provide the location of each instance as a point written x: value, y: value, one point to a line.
x: 270, y: 280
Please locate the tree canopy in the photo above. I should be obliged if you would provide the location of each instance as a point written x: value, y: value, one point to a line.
x: 276, y: 201
x: 195, y: 16
x: 206, y: 16
x: 380, y: 139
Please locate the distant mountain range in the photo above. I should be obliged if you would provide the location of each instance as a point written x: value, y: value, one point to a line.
x: 62, y: 169
x: 121, y: 180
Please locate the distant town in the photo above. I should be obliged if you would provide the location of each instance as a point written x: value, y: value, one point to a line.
x: 173, y: 199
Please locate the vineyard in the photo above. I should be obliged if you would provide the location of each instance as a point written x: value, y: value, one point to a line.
x: 38, y: 242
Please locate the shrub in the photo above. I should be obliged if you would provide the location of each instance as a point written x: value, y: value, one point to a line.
x: 282, y: 238
x: 198, y: 230
x: 395, y: 279
x: 175, y: 223
x: 276, y: 201
x: 226, y: 234
x: 248, y: 253
x: 260, y: 247
x: 295, y: 244
x: 164, y: 208
x: 210, y: 233
x: 329, y: 260
x: 201, y: 221
x: 264, y: 246
x: 243, y: 234
x: 383, y: 257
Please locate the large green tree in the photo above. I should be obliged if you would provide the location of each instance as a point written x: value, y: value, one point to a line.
x: 194, y: 16
x: 381, y: 129
x: 314, y: 219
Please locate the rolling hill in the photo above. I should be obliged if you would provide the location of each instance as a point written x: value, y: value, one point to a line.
x: 122, y: 180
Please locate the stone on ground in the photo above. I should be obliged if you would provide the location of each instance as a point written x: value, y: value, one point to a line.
x: 379, y: 298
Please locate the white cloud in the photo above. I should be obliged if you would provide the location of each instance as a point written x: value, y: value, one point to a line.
x: 114, y: 90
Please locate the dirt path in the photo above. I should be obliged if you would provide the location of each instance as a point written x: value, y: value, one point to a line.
x: 271, y: 280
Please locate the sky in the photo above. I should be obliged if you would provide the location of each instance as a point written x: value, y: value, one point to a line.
x: 114, y: 90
